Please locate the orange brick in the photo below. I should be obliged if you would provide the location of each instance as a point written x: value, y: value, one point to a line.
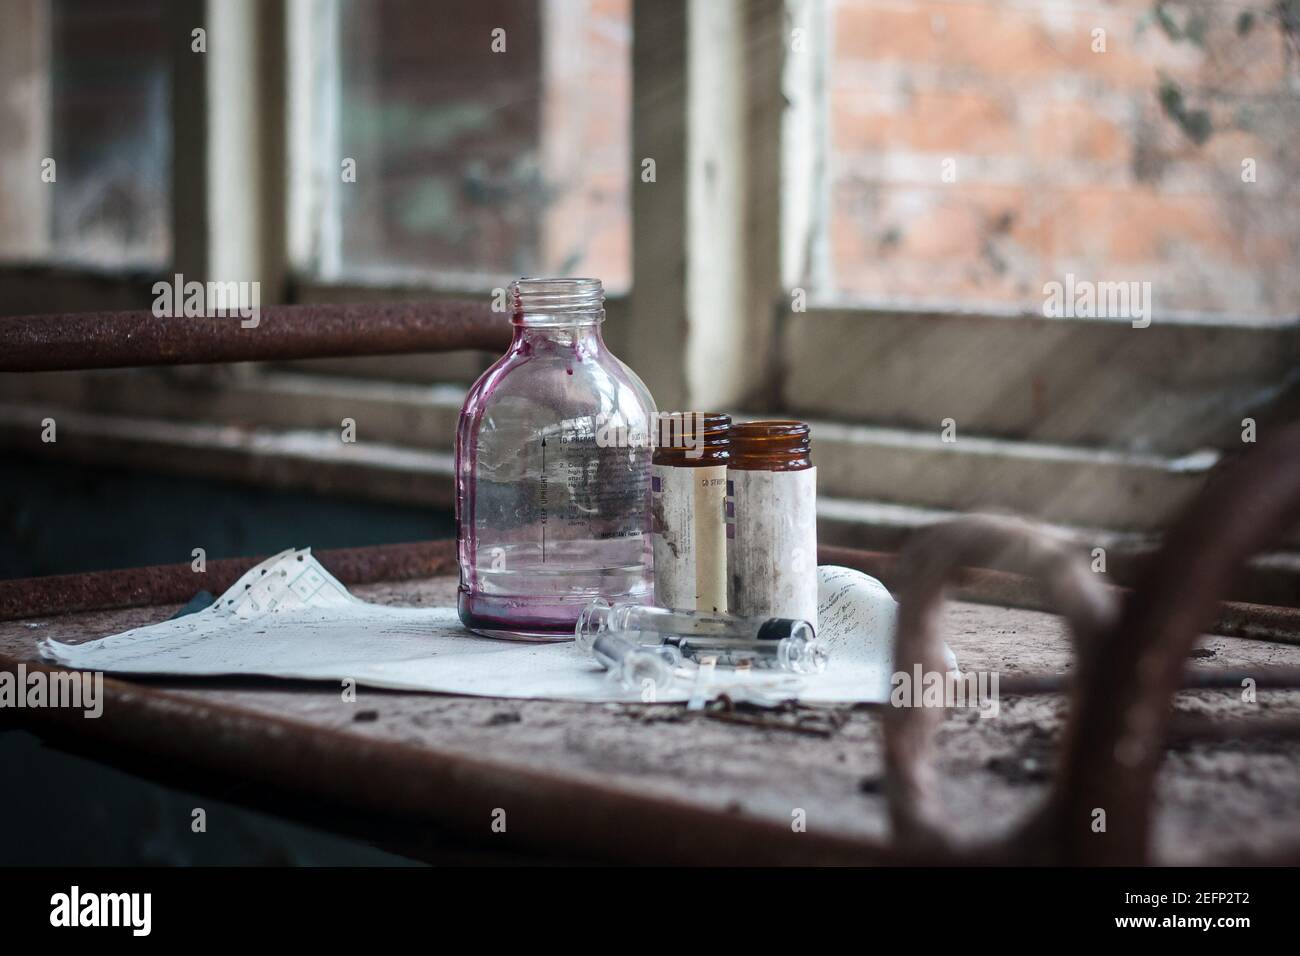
x: 1073, y: 130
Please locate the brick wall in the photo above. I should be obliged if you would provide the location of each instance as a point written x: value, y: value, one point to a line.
x: 1065, y: 158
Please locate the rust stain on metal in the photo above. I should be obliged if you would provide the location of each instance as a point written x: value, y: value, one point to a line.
x: 1263, y: 622
x: 85, y: 340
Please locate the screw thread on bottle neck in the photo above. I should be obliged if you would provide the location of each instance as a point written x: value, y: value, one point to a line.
x: 692, y: 438
x: 771, y: 446
x: 556, y: 302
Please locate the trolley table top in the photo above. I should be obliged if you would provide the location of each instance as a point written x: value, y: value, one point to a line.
x: 654, y: 782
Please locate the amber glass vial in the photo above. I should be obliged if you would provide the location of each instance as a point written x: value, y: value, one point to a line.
x: 770, y: 446
x: 772, y: 521
x: 688, y: 481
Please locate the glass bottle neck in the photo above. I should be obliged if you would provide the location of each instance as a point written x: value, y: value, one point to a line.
x: 565, y: 304
x: 568, y: 335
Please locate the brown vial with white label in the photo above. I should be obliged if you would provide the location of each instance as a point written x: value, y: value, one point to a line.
x: 688, y: 482
x: 772, y: 521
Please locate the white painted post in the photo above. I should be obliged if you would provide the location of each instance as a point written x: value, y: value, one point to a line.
x: 229, y: 118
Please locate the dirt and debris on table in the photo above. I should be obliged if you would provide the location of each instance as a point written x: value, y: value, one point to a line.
x: 1213, y: 795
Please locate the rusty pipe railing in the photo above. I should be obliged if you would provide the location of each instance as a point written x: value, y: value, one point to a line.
x: 85, y: 340
x: 176, y: 583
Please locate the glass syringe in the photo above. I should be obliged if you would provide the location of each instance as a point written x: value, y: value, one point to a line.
x: 633, y: 663
x: 729, y: 639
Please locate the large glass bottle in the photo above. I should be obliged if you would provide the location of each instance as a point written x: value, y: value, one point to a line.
x: 553, y: 471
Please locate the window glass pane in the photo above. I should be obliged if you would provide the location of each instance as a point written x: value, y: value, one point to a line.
x: 86, y: 152
x: 486, y: 143
x: 981, y: 149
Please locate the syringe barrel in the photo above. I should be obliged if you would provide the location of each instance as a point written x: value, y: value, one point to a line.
x: 786, y: 643
x: 601, y: 616
x: 799, y: 654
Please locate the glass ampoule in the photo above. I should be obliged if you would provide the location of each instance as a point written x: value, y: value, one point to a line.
x: 552, y: 471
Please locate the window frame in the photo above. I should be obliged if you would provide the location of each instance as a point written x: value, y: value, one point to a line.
x: 711, y: 316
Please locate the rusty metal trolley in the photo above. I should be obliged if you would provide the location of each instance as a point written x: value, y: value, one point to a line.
x: 1130, y: 649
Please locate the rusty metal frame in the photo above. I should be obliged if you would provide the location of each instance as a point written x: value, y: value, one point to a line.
x: 1132, y: 660
x: 1120, y: 714
x: 1131, y: 647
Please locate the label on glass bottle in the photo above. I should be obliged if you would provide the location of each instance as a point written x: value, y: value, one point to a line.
x: 585, y: 489
x: 772, y: 543
x: 690, y: 542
